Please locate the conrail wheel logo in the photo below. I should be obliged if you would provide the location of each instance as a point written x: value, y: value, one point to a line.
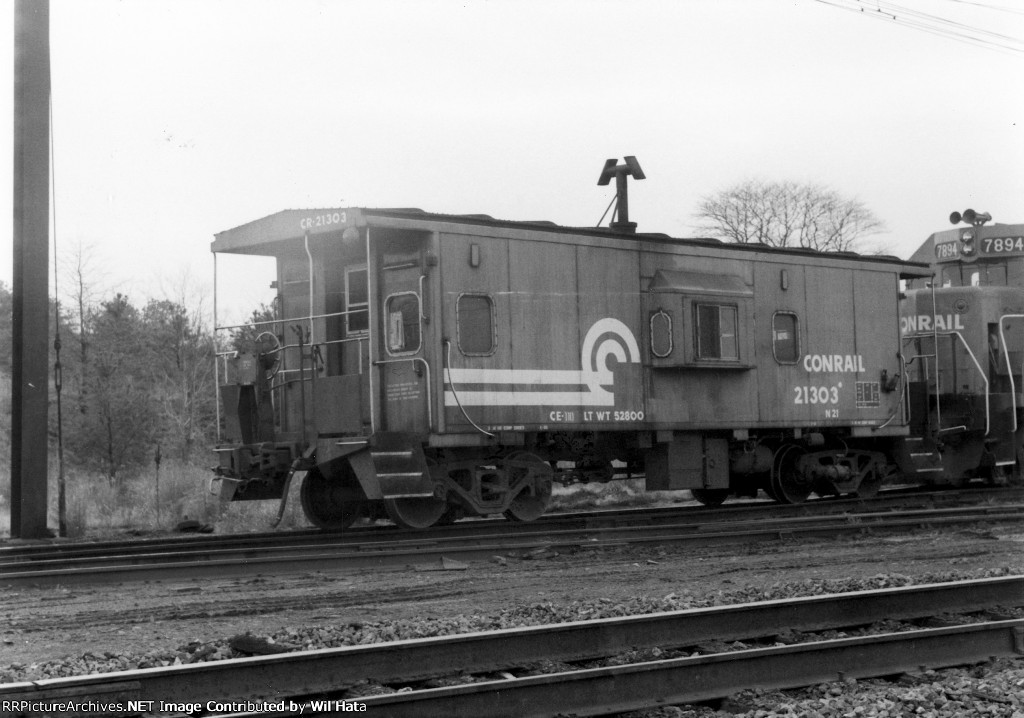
x: 594, y: 375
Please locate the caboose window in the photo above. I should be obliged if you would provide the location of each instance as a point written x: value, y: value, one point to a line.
x: 716, y: 332
x: 403, y: 317
x: 356, y: 297
x: 475, y: 319
x: 786, y: 338
x: 661, y: 333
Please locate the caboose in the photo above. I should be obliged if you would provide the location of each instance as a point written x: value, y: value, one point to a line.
x: 424, y: 367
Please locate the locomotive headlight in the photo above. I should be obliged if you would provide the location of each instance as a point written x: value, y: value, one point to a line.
x: 967, y: 247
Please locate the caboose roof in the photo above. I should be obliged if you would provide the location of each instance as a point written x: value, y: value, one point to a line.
x: 271, y: 233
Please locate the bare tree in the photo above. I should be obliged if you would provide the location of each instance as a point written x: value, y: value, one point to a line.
x: 120, y: 424
x: 787, y: 214
x: 181, y: 370
x: 83, y: 275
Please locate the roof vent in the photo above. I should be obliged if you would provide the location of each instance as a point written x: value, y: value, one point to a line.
x: 620, y: 220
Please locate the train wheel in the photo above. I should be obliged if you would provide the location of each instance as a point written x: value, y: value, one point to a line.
x: 710, y: 497
x: 415, y: 513
x: 332, y: 503
x: 788, y: 485
x: 450, y: 516
x: 528, y: 506
x: 869, y: 485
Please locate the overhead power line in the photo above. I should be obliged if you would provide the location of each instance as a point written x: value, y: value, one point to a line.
x: 934, y: 24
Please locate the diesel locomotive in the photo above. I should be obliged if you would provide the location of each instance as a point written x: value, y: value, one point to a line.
x: 424, y: 367
x: 963, y: 350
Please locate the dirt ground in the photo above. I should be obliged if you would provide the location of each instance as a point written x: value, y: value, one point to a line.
x: 132, y: 619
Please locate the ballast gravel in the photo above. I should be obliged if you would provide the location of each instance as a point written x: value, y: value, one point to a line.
x: 991, y: 689
x: 156, y: 625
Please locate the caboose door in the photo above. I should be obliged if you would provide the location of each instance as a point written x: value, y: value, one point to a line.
x: 404, y: 372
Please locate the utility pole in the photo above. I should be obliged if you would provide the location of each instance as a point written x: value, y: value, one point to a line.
x: 30, y: 345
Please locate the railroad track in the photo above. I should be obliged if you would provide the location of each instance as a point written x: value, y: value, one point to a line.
x: 748, y: 510
x: 386, y: 547
x: 595, y: 667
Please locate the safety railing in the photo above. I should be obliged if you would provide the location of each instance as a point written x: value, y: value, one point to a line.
x: 977, y: 365
x: 1009, y: 368
x: 222, y: 358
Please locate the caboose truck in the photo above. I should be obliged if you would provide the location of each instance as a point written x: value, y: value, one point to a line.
x: 424, y: 367
x: 963, y: 334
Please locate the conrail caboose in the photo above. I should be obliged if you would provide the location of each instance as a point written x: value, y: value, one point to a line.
x: 963, y: 352
x: 425, y: 366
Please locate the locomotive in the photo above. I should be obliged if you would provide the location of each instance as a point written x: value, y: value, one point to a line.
x: 424, y: 367
x: 963, y: 353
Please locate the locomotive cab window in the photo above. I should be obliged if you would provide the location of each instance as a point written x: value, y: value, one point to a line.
x: 786, y: 337
x: 475, y: 320
x: 715, y: 328
x: 403, y: 318
x: 356, y: 301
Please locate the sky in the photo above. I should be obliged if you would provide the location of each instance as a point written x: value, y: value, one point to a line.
x: 174, y: 120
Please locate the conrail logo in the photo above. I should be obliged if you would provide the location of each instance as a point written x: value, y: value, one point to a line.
x: 594, y: 375
x: 848, y: 363
x: 926, y: 323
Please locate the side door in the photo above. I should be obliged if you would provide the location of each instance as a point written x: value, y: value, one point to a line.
x: 405, y: 375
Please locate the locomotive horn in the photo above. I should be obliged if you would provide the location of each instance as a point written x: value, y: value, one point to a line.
x: 976, y: 218
x: 955, y: 218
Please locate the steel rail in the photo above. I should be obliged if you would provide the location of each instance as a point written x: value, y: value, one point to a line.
x: 181, y: 544
x: 424, y: 552
x: 298, y: 674
x: 687, y: 680
x: 117, y: 555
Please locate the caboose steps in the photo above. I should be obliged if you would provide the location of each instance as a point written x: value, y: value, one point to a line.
x: 924, y: 457
x: 400, y: 466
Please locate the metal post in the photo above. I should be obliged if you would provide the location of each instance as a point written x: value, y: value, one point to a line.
x: 31, y: 326
x: 156, y: 460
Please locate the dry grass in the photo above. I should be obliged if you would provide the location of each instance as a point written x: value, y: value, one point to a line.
x: 255, y: 516
x: 95, y: 506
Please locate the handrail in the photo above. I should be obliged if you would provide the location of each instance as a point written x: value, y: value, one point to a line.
x: 216, y: 388
x: 290, y: 319
x: 977, y: 365
x: 935, y: 345
x: 429, y: 393
x: 901, y: 404
x: 423, y: 316
x: 1009, y: 369
x: 234, y: 352
x: 216, y: 361
x: 312, y: 335
x: 371, y: 304
x: 448, y: 367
